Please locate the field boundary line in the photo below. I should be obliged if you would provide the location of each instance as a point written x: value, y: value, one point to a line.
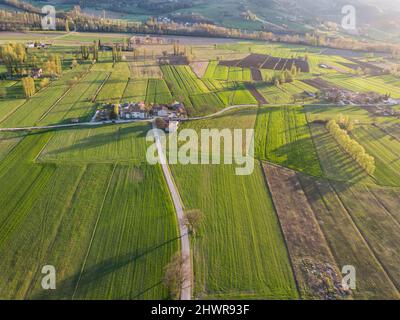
x: 35, y: 160
x: 13, y: 111
x: 62, y: 97
x: 365, y: 238
x: 94, y: 232
x: 94, y: 98
x: 268, y: 187
x: 65, y: 210
x: 396, y: 222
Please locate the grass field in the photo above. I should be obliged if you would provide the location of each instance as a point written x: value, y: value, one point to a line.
x: 185, y: 85
x: 326, y: 113
x: 335, y: 162
x: 35, y: 108
x: 113, y: 90
x: 365, y: 84
x: 77, y: 104
x: 148, y: 91
x: 376, y: 222
x: 283, y: 137
x: 346, y: 241
x: 8, y: 140
x: 128, y: 229
x: 105, y: 144
x: 385, y: 150
x: 240, y: 231
x: 145, y: 69
x: 135, y: 238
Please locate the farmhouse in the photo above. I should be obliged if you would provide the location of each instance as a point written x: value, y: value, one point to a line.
x: 36, y: 73
x: 144, y: 40
x: 134, y: 111
x: 346, y: 97
x: 160, y: 110
x: 139, y: 110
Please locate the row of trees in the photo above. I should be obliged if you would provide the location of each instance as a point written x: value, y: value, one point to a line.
x: 352, y: 147
x: 87, y: 50
x: 14, y: 57
x: 28, y: 84
x: 286, y: 76
x: 21, y: 21
x: 116, y: 53
x: 19, y: 62
x: 53, y: 66
x: 346, y: 123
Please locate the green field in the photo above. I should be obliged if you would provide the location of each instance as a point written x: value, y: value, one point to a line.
x: 185, y: 85
x: 103, y: 144
x: 326, y: 113
x: 128, y: 229
x: 77, y: 104
x: 365, y: 84
x: 385, y: 150
x: 335, y: 162
x: 240, y: 230
x: 113, y: 90
x: 283, y: 137
x: 347, y: 243
x: 84, y: 198
x: 31, y: 112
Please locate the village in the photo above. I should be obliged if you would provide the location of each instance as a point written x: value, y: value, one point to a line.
x: 167, y: 116
x: 347, y: 97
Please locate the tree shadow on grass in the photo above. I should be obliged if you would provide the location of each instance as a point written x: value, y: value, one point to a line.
x: 101, y: 139
x: 93, y: 276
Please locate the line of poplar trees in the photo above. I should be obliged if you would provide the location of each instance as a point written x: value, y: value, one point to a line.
x: 352, y: 147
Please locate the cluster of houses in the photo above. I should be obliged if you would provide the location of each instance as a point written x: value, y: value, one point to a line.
x: 38, y: 45
x: 170, y: 113
x: 383, y: 111
x: 139, y: 40
x: 346, y: 97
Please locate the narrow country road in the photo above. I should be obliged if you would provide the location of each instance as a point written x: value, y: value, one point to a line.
x: 186, y: 293
x: 218, y: 113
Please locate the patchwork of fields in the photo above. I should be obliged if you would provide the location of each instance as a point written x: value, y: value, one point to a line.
x: 85, y: 199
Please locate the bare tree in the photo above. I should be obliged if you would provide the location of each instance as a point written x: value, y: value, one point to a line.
x: 193, y: 219
x: 174, y: 276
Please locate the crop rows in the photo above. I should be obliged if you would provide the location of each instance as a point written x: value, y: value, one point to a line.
x: 31, y: 111
x: 239, y: 231
x: 196, y: 95
x: 77, y: 103
x: 113, y: 90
